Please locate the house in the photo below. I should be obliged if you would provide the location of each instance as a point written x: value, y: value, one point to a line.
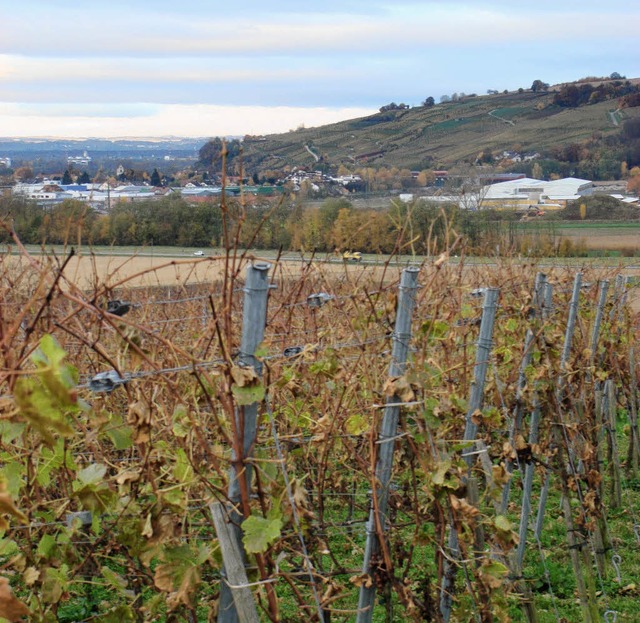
x: 84, y: 159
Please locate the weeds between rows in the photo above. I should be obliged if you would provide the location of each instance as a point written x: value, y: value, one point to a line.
x: 149, y: 456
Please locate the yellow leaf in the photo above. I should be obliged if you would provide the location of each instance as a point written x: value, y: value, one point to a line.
x: 147, y: 530
x: 30, y: 575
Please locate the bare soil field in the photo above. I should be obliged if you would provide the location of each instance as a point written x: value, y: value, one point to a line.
x: 611, y: 239
x: 120, y: 272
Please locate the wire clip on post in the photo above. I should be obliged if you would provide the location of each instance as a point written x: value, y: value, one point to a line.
x: 83, y: 518
x: 119, y: 308
x: 478, y: 292
x: 106, y: 381
x: 616, y: 559
x: 319, y: 299
x: 292, y: 351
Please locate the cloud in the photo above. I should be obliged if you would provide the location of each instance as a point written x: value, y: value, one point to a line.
x: 176, y: 120
x: 404, y: 27
x: 125, y: 61
x: 17, y: 69
x: 97, y: 111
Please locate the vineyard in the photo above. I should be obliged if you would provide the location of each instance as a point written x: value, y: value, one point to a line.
x: 306, y: 441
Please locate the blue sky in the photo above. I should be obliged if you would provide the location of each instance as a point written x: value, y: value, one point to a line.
x: 206, y: 68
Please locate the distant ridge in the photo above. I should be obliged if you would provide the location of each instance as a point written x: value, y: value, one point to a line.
x: 443, y: 135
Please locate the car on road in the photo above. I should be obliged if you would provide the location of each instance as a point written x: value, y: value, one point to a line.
x: 198, y: 253
x: 352, y: 256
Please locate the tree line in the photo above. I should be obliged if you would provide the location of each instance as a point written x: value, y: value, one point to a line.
x: 419, y: 227
x: 335, y: 226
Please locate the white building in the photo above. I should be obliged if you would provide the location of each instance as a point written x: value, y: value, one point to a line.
x: 528, y: 191
x: 84, y: 159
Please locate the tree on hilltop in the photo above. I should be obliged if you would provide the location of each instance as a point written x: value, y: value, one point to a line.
x: 155, y: 178
x: 210, y: 154
x: 539, y: 86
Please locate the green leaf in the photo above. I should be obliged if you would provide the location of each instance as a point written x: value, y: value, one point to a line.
x: 178, y: 574
x: 93, y: 474
x: 505, y: 354
x: 182, y: 471
x: 55, y: 584
x: 46, y: 546
x: 181, y: 424
x: 119, y: 614
x: 435, y: 329
x: 121, y: 436
x: 50, y: 459
x: 502, y: 523
x: 47, y: 399
x: 438, y: 476
x: 13, y: 473
x: 356, y: 424
x: 49, y: 353
x: 248, y: 394
x: 260, y: 532
x: 493, y: 574
x: 10, y: 431
x: 92, y: 490
x: 119, y: 433
x: 8, y: 548
x: 511, y: 325
x: 113, y: 579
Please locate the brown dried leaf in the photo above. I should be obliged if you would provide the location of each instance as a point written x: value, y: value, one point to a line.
x: 127, y: 476
x: 468, y: 512
x: 11, y: 608
x: 400, y: 387
x: 364, y: 579
x: 507, y: 451
x: 476, y: 417
x: 590, y: 502
x: 7, y: 505
x: 521, y: 444
x: 140, y: 418
x: 442, y: 258
x: 500, y: 475
x: 244, y: 376
x: 629, y: 589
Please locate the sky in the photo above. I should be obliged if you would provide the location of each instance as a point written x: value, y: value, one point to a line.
x: 206, y: 68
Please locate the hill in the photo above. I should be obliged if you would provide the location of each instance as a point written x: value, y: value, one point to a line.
x: 442, y: 135
x: 30, y: 148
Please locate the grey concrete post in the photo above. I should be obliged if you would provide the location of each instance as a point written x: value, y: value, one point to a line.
x: 387, y: 436
x: 566, y: 350
x: 516, y: 424
x: 483, y: 354
x: 254, y: 318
